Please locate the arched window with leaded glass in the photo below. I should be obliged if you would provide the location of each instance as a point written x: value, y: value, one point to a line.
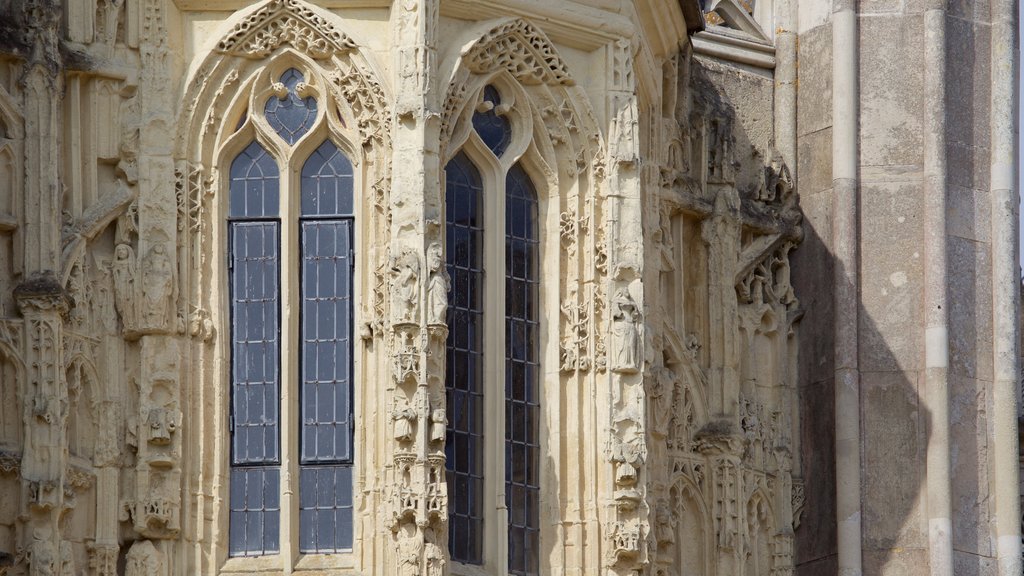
x: 493, y: 351
x: 291, y: 262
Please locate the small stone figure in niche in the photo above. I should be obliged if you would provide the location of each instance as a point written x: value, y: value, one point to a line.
x: 439, y: 283
x: 158, y: 289
x: 438, y: 425
x: 410, y: 546
x: 404, y: 417
x: 405, y: 272
x: 625, y: 334
x: 124, y: 272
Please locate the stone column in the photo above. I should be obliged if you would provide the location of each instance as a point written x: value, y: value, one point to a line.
x: 155, y: 428
x: 626, y: 517
x: 417, y: 303
x: 41, y: 299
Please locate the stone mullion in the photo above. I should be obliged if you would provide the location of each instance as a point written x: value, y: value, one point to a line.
x: 418, y: 299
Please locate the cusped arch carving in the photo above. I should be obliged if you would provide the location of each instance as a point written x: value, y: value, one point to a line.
x: 258, y: 36
x: 520, y: 48
x: 285, y: 22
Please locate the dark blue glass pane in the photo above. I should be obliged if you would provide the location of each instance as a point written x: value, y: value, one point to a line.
x: 522, y: 374
x: 291, y: 116
x: 254, y: 185
x: 326, y: 319
x: 494, y: 130
x: 325, y: 509
x: 464, y: 377
x: 255, y: 345
x: 255, y: 511
x: 327, y: 183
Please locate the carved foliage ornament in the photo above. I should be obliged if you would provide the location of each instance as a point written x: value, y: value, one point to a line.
x: 285, y: 22
x: 523, y: 50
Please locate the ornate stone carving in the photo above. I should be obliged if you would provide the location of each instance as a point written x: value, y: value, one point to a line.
x: 126, y: 290
x: 523, y: 50
x: 159, y: 289
x: 103, y: 559
x: 409, y: 550
x: 143, y: 559
x: 405, y: 419
x: 438, y: 286
x: 626, y: 353
x: 285, y: 22
x: 108, y: 16
x: 405, y: 288
x: 42, y: 556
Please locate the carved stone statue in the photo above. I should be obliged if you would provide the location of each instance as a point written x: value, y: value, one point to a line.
x: 665, y: 524
x: 144, y: 559
x: 404, y: 417
x: 626, y: 353
x: 410, y: 547
x: 162, y: 424
x: 439, y: 283
x: 438, y: 425
x: 158, y: 288
x: 405, y: 276
x: 67, y: 559
x: 433, y: 553
x: 661, y: 394
x: 125, y: 295
x: 42, y: 555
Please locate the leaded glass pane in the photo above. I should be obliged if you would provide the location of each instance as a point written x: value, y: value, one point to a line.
x: 255, y: 512
x: 464, y: 377
x: 327, y: 183
x: 255, y: 346
x: 522, y: 374
x: 254, y: 188
x: 291, y: 116
x: 325, y: 509
x: 326, y: 340
x: 494, y: 129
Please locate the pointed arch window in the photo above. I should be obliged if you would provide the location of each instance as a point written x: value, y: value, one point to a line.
x: 475, y: 231
x: 286, y: 210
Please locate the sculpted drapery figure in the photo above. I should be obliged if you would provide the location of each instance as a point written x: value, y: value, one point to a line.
x: 124, y: 271
x: 158, y: 289
x: 404, y: 417
x: 625, y: 333
x: 438, y: 285
x: 405, y: 275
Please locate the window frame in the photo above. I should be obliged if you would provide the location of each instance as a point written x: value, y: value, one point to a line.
x: 332, y: 123
x: 523, y: 149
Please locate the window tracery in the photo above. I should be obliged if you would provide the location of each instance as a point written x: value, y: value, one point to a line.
x: 472, y: 230
x: 280, y: 218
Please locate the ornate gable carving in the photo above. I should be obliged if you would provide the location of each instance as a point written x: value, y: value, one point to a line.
x: 523, y: 50
x: 281, y: 22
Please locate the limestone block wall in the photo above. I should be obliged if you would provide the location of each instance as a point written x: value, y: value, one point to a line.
x: 904, y: 132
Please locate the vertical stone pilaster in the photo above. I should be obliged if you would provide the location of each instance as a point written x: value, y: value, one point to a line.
x: 156, y: 508
x: 41, y: 299
x: 418, y: 301
x: 626, y: 521
x: 45, y: 403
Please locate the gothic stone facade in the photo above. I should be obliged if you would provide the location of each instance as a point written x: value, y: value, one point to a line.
x: 733, y: 379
